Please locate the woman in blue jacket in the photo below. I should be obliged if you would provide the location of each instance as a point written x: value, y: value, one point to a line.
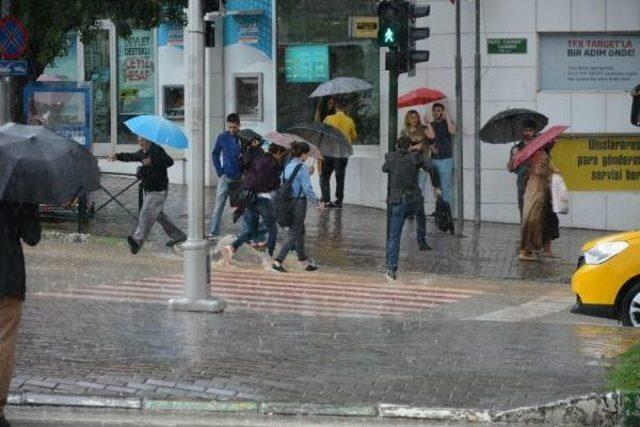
x: 301, y: 191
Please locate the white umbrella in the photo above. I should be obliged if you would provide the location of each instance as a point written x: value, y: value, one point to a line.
x: 341, y: 85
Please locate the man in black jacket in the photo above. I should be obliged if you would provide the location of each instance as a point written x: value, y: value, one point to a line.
x: 17, y: 221
x: 404, y: 197
x: 155, y: 183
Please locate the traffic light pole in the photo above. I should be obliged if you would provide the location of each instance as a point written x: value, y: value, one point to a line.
x: 459, y: 152
x: 393, y: 110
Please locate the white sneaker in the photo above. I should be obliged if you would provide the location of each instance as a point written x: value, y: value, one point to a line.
x: 390, y: 276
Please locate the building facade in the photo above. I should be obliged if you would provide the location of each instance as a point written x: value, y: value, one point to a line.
x: 573, y: 60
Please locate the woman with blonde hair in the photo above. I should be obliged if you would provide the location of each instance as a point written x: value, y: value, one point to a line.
x: 419, y: 135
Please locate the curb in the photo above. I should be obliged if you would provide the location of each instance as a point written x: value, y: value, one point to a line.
x: 608, y: 409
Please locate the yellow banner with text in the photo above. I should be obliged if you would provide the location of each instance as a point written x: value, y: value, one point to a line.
x: 599, y: 162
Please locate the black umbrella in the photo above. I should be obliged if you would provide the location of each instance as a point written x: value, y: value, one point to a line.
x: 248, y: 135
x: 506, y: 126
x: 329, y: 140
x: 39, y: 166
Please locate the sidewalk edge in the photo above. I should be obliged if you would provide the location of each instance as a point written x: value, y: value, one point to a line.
x: 592, y: 409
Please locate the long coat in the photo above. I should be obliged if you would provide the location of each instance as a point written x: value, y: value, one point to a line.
x: 17, y: 221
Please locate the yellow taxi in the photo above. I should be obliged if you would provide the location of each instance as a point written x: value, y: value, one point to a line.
x: 607, y: 279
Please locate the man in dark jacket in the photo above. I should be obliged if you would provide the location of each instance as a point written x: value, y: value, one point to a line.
x: 155, y: 183
x: 404, y: 197
x: 263, y: 177
x: 17, y: 221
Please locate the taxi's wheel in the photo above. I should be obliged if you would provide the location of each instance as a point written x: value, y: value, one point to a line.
x: 631, y: 307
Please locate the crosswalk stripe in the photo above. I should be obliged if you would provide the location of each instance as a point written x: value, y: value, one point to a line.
x: 420, y: 290
x: 299, y: 294
x: 385, y: 296
x: 313, y: 278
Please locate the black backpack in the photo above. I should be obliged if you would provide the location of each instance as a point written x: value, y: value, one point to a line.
x: 283, y: 202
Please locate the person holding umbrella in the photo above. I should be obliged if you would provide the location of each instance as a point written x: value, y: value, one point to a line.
x: 155, y: 184
x: 539, y: 222
x: 18, y: 221
x: 522, y: 171
x: 346, y: 125
x: 442, y: 148
x: 31, y: 173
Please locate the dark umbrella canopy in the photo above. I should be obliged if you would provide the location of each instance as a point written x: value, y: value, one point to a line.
x: 248, y: 135
x: 39, y: 166
x: 329, y: 140
x: 506, y: 126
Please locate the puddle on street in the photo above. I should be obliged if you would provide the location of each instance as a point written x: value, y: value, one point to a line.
x: 605, y: 342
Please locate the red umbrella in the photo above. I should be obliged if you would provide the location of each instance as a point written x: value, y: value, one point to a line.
x: 420, y: 96
x: 539, y: 142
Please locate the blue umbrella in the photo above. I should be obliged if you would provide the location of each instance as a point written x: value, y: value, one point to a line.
x: 158, y: 130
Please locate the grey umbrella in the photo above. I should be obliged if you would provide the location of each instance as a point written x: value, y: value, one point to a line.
x: 506, y: 126
x: 328, y: 139
x: 341, y: 85
x: 39, y: 166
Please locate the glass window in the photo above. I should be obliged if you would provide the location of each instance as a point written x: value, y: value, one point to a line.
x: 173, y: 98
x: 307, y: 29
x: 248, y: 91
x: 65, y: 67
x: 97, y: 66
x: 136, y: 79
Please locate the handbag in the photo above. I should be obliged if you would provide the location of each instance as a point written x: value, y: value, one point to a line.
x: 234, y: 193
x: 559, y: 195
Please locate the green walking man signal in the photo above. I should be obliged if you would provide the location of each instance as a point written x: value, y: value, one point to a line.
x: 389, y: 37
x: 397, y: 30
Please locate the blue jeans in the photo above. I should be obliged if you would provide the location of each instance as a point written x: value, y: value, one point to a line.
x: 445, y: 172
x: 222, y: 193
x: 397, y: 214
x: 262, y: 208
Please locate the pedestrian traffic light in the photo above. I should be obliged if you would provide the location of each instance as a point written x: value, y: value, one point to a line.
x: 392, y: 24
x: 414, y: 56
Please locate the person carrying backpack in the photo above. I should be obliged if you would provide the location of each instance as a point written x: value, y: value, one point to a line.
x: 300, y: 191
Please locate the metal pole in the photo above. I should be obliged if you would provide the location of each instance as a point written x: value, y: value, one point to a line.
x: 393, y: 126
x: 477, y: 151
x: 460, y: 129
x: 393, y: 110
x: 197, y: 292
x: 5, y: 82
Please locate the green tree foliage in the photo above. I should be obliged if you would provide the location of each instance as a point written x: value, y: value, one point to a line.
x: 48, y: 21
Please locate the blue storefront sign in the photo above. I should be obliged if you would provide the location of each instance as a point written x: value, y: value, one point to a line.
x: 13, y: 68
x: 248, y: 22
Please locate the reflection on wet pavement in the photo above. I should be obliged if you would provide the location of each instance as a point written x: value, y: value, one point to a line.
x: 354, y: 237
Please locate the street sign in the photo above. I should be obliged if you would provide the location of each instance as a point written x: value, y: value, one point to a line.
x: 13, y: 38
x: 506, y: 46
x: 363, y: 27
x: 13, y: 68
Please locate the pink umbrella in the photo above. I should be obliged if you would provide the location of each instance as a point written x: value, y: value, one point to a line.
x: 420, y: 96
x: 286, y: 139
x: 539, y: 142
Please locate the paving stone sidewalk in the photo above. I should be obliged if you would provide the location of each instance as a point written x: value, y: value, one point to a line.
x: 70, y: 347
x: 354, y: 237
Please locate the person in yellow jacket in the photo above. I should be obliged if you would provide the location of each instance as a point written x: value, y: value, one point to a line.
x: 346, y: 125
